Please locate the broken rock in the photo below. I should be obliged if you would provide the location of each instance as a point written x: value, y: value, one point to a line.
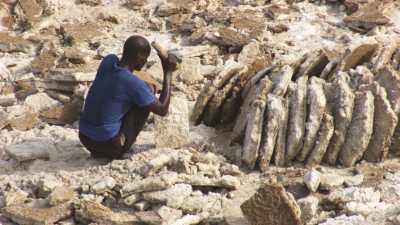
x: 255, y: 118
x: 316, y: 105
x: 60, y: 195
x: 360, y: 129
x: 30, y: 150
x: 26, y: 215
x: 173, y: 130
x: 274, y: 110
x: 272, y: 205
x: 312, y: 179
x: 297, y: 119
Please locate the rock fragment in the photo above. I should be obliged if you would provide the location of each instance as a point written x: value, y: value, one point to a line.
x: 357, y: 56
x: 281, y: 80
x: 30, y: 150
x: 309, y: 208
x: 385, y: 120
x: 103, y: 185
x: 60, y: 195
x: 342, y: 108
x: 90, y: 211
x: 360, y: 129
x: 312, y: 179
x: 172, y: 197
x: 272, y: 205
x: 15, y: 197
x: 273, y: 113
x: 316, y: 106
x: 40, y: 101
x: 231, y: 68
x: 367, y: 17
x: 212, y: 113
x: 280, y: 146
x: 255, y: 120
x: 10, y: 43
x: 173, y: 130
x: 26, y: 215
x: 157, y: 183
x: 386, y: 54
x: 297, y: 118
x: 321, y: 144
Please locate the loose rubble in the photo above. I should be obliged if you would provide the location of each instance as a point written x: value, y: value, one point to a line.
x: 283, y: 112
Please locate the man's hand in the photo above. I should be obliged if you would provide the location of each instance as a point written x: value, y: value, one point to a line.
x: 168, y: 61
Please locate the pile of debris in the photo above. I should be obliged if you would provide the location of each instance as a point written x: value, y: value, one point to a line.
x: 160, y: 186
x: 329, y: 106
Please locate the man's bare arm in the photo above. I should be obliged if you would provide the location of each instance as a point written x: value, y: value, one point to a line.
x: 160, y: 107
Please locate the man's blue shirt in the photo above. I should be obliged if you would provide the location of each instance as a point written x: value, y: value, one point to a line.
x: 113, y: 92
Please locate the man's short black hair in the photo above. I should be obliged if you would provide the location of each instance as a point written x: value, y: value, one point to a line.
x: 134, y: 46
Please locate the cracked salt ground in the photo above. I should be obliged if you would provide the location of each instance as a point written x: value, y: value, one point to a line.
x: 47, y: 65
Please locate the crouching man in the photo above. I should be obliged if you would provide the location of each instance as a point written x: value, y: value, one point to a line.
x: 119, y: 102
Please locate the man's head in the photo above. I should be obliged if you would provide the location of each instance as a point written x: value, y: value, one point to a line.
x: 136, y: 51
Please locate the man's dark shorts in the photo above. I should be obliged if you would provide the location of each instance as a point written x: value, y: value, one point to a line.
x: 132, y: 123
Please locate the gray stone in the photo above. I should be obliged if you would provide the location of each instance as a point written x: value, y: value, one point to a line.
x: 390, y: 80
x: 316, y: 105
x: 230, y: 69
x: 254, y: 126
x: 15, y: 197
x: 172, y: 131
x: 21, y: 117
x: 141, y: 205
x: 356, y: 55
x: 354, y: 180
x: 213, y: 110
x: 385, y: 120
x: 273, y: 113
x: 160, y: 182
x: 312, y: 179
x: 40, y: 101
x: 199, y: 180
x: 172, y: 197
x: 60, y: 195
x: 241, y: 120
x: 272, y: 205
x: 132, y: 199
x: 90, y: 211
x: 297, y: 119
x: 342, y: 109
x: 360, y: 129
x: 169, y: 215
x: 313, y: 65
x: 354, y: 194
x: 8, y: 100
x: 360, y: 76
x: 190, y: 219
x: 103, y: 185
x: 281, y: 80
x: 190, y: 72
x: 309, y: 208
x: 321, y: 143
x: 156, y: 164
x: 331, y: 180
x: 385, y: 54
x: 47, y: 185
x: 26, y: 215
x: 195, y: 204
x: 30, y: 150
x: 280, y: 146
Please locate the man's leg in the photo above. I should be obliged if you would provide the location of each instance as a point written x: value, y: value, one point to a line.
x: 110, y: 149
x: 132, y: 123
